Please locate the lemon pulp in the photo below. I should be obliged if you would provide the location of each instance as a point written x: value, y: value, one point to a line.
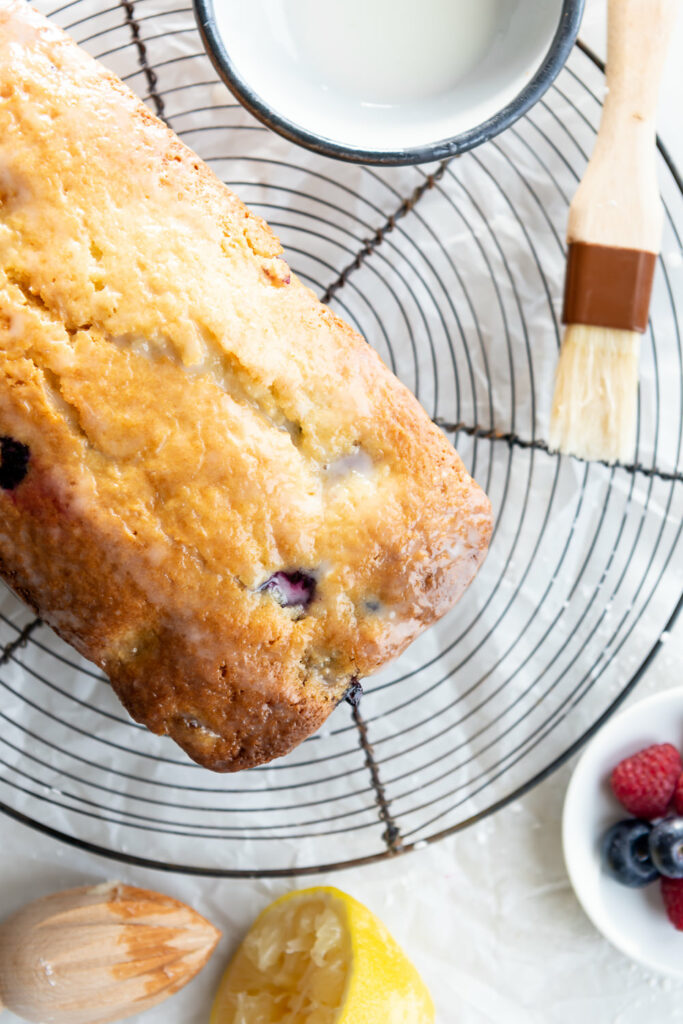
x: 292, y: 967
x: 320, y: 957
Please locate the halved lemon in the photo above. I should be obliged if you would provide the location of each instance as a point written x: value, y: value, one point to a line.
x: 319, y: 957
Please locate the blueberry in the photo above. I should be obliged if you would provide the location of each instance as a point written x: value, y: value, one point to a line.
x: 626, y: 853
x: 14, y: 458
x: 290, y: 589
x: 666, y: 847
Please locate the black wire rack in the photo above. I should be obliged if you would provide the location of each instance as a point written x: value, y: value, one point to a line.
x: 454, y: 273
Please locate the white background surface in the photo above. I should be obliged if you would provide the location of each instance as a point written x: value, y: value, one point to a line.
x: 488, y: 916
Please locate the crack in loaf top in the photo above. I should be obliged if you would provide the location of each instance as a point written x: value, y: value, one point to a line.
x: 230, y: 504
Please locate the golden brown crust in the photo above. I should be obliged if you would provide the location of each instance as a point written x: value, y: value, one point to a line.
x: 197, y: 422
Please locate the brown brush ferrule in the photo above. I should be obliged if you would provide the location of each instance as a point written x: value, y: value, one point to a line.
x: 608, y: 287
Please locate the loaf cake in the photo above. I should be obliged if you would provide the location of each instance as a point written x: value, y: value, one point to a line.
x: 210, y: 485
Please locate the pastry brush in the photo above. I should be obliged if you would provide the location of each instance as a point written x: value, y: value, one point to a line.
x: 614, y: 235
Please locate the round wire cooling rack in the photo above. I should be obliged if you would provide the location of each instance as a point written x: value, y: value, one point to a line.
x: 454, y: 273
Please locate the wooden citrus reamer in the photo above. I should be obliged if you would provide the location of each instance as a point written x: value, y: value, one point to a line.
x: 614, y: 235
x: 99, y: 953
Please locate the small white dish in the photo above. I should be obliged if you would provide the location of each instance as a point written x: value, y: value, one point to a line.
x: 634, y: 920
x: 390, y: 81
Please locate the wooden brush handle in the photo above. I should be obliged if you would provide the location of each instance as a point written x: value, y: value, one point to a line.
x: 617, y: 203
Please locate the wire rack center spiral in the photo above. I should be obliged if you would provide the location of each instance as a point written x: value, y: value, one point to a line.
x: 454, y: 273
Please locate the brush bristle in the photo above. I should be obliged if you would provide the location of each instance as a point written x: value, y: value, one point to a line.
x: 596, y: 394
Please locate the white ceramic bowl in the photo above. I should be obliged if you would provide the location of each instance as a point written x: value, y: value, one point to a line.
x: 634, y: 920
x: 388, y: 81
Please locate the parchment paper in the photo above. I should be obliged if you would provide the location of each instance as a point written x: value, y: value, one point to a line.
x: 461, y: 298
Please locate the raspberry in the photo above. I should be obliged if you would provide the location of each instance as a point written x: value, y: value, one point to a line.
x: 672, y: 894
x: 678, y: 796
x: 644, y: 784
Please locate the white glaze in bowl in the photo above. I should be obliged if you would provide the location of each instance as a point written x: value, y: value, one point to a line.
x: 390, y: 80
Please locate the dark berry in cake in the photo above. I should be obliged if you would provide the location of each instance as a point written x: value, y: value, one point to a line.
x: 354, y: 694
x: 291, y: 589
x: 14, y: 459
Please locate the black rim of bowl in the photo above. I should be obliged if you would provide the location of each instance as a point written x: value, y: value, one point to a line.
x: 551, y: 65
